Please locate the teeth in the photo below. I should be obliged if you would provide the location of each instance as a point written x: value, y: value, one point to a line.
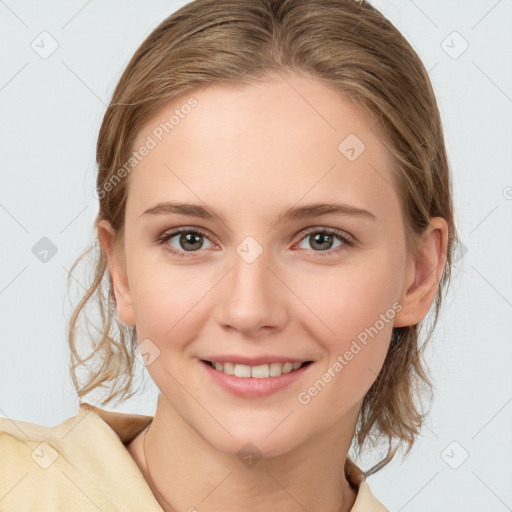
x: 242, y: 370
x: 275, y: 369
x: 262, y: 371
x: 287, y: 367
x: 229, y: 368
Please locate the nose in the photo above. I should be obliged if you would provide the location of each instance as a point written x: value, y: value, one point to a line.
x: 252, y: 298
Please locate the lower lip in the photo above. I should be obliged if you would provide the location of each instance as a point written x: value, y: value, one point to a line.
x: 249, y: 387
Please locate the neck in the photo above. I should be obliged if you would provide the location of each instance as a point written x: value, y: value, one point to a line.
x: 184, y: 472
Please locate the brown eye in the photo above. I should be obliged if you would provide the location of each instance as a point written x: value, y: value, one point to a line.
x: 186, y: 241
x: 325, y: 239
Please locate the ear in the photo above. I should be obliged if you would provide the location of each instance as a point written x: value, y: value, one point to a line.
x: 118, y: 274
x: 424, y: 274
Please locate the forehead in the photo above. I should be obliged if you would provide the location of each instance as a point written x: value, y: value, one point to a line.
x: 271, y: 143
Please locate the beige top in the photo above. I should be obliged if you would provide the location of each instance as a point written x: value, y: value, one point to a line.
x: 83, y: 464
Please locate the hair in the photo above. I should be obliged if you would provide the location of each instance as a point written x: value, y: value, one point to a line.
x: 347, y: 44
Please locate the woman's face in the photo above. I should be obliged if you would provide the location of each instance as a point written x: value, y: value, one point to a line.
x: 253, y: 277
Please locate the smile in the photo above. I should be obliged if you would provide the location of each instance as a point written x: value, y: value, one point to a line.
x: 257, y: 381
x: 261, y: 371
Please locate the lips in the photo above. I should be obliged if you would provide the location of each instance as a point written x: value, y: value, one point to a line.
x: 252, y: 387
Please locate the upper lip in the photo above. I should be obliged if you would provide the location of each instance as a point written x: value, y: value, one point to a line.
x: 252, y: 361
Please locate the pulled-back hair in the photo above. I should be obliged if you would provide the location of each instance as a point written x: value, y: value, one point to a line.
x: 347, y: 44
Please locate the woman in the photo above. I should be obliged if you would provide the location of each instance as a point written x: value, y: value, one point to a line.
x: 275, y: 221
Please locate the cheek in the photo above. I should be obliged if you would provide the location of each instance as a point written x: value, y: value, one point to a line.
x: 167, y: 303
x: 353, y: 321
x: 356, y: 313
x: 350, y: 298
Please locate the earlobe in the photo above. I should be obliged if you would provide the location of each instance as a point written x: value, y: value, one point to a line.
x: 118, y: 274
x: 426, y: 274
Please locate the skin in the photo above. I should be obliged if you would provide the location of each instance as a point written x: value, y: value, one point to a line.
x: 250, y: 152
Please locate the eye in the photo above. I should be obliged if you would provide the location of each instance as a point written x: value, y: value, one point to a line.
x: 188, y: 240
x: 324, y: 239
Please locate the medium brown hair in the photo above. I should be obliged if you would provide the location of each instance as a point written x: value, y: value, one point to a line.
x: 347, y: 44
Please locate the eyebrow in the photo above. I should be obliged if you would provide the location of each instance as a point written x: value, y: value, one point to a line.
x: 293, y: 213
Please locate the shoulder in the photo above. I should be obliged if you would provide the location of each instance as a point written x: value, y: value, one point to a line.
x: 20, y: 441
x: 78, y: 464
x: 34, y: 469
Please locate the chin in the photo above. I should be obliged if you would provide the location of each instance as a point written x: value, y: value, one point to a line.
x: 254, y: 441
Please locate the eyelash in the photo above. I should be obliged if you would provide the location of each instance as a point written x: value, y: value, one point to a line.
x: 348, y: 240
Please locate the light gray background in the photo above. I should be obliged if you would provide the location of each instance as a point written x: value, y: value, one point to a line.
x: 50, y: 112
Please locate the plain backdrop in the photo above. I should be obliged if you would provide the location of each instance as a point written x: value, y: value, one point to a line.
x: 52, y: 99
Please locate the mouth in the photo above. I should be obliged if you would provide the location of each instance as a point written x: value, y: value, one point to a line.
x: 258, y: 381
x: 262, y: 371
